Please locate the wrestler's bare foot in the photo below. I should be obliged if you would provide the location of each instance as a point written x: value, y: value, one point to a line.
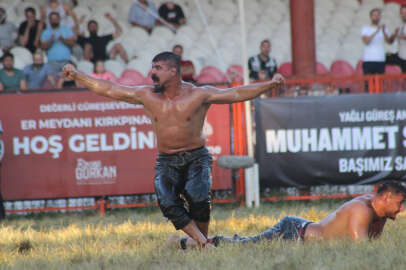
x: 173, y: 241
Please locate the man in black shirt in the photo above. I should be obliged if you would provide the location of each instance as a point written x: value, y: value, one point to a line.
x: 172, y: 13
x: 262, y: 66
x: 30, y: 30
x: 95, y: 46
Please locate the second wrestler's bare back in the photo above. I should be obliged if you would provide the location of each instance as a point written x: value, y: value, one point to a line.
x: 354, y: 219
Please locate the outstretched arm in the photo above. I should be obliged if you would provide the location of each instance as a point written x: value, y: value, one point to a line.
x: 242, y: 93
x: 105, y: 88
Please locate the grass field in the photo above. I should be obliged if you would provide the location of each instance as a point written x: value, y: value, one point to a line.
x: 134, y: 239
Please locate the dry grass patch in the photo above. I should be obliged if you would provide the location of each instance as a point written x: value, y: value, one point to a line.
x: 134, y: 239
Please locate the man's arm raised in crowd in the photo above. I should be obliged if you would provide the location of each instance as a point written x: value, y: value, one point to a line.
x: 106, y: 88
x: 118, y: 30
x: 242, y: 93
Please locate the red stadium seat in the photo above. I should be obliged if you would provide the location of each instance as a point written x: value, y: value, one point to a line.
x: 217, y: 75
x: 341, y: 68
x: 392, y: 69
x: 358, y: 69
x: 210, y: 74
x: 235, y: 73
x: 210, y: 78
x: 286, y: 69
x: 321, y: 69
x: 393, y: 85
x: 148, y: 79
x: 133, y: 74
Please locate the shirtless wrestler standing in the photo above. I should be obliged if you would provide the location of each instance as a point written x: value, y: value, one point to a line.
x: 177, y: 110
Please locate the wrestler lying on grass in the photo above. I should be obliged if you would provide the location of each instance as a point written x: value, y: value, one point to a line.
x: 360, y: 218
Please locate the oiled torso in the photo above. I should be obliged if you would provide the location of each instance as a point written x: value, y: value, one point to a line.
x: 178, y: 120
x: 337, y: 224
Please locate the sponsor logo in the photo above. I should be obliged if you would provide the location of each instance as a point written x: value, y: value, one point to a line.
x: 94, y: 173
x: 208, y: 131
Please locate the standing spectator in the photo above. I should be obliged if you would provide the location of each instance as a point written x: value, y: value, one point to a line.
x: 143, y: 13
x: 99, y: 71
x: 30, y: 30
x: 262, y: 66
x: 2, y: 211
x: 8, y: 32
x: 172, y: 13
x: 11, y: 78
x: 95, y: 46
x: 57, y: 42
x: 187, y: 69
x: 374, y: 37
x: 67, y: 16
x: 400, y: 58
x: 37, y: 73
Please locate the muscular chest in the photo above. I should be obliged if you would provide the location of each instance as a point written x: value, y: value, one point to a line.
x: 179, y: 111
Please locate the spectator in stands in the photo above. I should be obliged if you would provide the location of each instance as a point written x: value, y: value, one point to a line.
x: 172, y: 13
x: 30, y: 30
x: 187, y: 69
x: 37, y: 73
x: 262, y: 66
x: 67, y: 16
x: 57, y: 41
x: 143, y: 13
x: 95, y: 46
x: 11, y: 78
x: 374, y: 36
x: 64, y: 83
x: 99, y: 71
x: 8, y: 32
x: 400, y: 59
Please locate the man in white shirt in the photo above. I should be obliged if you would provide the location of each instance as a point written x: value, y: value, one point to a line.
x: 401, y: 36
x: 374, y: 37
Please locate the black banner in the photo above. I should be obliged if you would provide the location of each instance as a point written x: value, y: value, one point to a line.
x: 338, y: 140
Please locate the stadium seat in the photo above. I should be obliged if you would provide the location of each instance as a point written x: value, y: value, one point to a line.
x: 115, y: 67
x: 133, y: 75
x: 23, y: 55
x: 393, y: 85
x: 25, y: 4
x: 392, y: 69
x: 138, y: 33
x: 210, y: 78
x: 235, y: 73
x: 148, y: 79
x: 341, y: 68
x: 85, y: 66
x: 286, y: 69
x: 358, y: 69
x: 211, y: 70
x: 321, y: 69
x: 141, y: 64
